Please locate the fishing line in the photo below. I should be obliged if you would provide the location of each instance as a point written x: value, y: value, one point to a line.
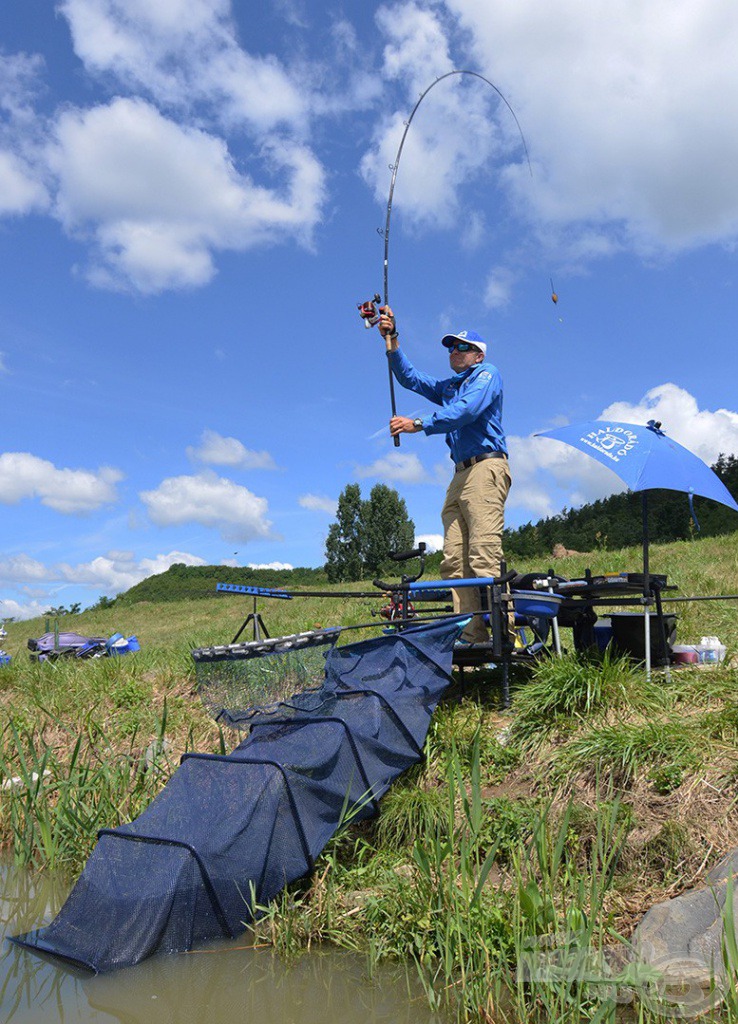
x: 395, y: 167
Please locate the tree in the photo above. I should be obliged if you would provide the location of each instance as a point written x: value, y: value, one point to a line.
x: 365, y: 532
x: 343, y: 561
x: 386, y: 528
x: 57, y: 612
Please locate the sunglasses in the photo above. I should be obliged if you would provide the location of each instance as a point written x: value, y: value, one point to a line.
x: 462, y: 346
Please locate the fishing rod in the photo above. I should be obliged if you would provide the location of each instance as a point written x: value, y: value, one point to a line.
x: 368, y: 310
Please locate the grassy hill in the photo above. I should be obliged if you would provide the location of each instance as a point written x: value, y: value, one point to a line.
x: 193, y: 582
x: 593, y: 797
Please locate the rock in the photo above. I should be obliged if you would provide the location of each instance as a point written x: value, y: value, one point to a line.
x: 681, y: 940
x: 559, y: 551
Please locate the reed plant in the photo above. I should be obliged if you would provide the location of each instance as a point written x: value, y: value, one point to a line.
x: 53, y: 806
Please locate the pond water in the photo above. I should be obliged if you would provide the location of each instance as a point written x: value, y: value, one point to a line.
x: 225, y: 984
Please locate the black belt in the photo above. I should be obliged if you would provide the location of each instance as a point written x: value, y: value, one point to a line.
x: 478, y: 458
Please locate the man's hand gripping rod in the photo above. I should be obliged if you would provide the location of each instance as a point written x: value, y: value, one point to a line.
x: 369, y: 313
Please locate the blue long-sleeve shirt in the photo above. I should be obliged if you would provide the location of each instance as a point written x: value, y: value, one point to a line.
x: 471, y: 406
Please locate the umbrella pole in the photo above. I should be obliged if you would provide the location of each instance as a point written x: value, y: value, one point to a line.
x: 646, y: 587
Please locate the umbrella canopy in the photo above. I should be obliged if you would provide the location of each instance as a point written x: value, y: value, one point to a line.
x: 644, y: 457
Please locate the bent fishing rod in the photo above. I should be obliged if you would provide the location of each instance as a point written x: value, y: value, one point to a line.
x: 368, y: 310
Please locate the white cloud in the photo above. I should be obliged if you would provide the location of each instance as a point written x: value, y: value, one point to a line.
x: 156, y: 199
x: 20, y: 191
x: 21, y: 186
x: 499, y: 288
x: 704, y: 432
x: 628, y: 111
x: 270, y: 565
x: 433, y: 541
x: 10, y: 609
x: 118, y: 570
x: 318, y: 503
x: 216, y: 450
x: 629, y: 125
x: 20, y: 75
x: 111, y: 574
x: 22, y: 569
x: 438, y: 152
x: 211, y: 501
x: 70, y: 491
x: 182, y: 52
x: 549, y: 475
x: 397, y: 466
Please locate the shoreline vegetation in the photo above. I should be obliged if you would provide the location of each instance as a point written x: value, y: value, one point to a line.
x: 551, y: 826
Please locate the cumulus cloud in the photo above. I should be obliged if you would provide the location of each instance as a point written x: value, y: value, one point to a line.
x: 70, y: 491
x: 216, y: 450
x: 182, y: 51
x: 397, y: 467
x: 211, y: 501
x: 626, y: 117
x: 119, y: 570
x: 156, y: 198
x: 111, y: 574
x: 437, y: 155
x: 549, y: 475
x: 703, y: 431
x: 11, y: 609
x: 22, y: 569
x: 20, y: 78
x: 318, y: 503
x: 148, y: 182
x: 270, y: 565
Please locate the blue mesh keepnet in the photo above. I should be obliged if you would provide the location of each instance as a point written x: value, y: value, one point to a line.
x: 230, y: 830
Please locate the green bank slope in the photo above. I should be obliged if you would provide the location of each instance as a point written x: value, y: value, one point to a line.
x: 593, y: 797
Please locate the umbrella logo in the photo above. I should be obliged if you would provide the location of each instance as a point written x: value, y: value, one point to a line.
x: 614, y: 442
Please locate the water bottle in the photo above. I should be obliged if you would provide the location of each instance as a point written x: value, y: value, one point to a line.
x: 710, y: 649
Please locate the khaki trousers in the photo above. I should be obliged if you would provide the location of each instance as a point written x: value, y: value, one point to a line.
x: 473, y: 520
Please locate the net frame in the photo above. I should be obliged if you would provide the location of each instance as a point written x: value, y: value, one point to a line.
x: 233, y: 679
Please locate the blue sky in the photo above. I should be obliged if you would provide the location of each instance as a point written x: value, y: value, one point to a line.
x: 190, y: 192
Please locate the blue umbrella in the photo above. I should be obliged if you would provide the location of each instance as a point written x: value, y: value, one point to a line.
x: 645, y: 459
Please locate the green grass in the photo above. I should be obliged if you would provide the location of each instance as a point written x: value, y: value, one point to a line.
x: 592, y: 798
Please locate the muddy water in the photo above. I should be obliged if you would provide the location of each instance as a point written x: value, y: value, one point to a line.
x: 227, y: 984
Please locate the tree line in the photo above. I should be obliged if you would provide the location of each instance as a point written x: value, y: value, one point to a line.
x: 615, y: 522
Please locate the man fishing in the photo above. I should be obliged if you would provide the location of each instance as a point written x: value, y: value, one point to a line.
x: 470, y: 417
